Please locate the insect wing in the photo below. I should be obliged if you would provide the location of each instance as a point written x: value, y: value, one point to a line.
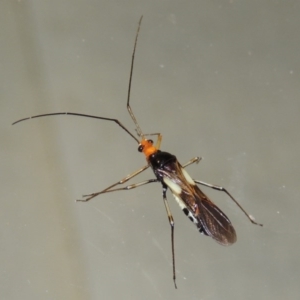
x: 215, y: 223
x: 196, y: 205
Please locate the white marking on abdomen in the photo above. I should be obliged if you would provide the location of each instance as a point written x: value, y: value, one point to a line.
x: 188, y: 177
x: 185, y: 209
x: 175, y: 188
x: 176, y: 191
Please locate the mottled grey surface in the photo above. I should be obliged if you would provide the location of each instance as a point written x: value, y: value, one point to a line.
x: 219, y: 79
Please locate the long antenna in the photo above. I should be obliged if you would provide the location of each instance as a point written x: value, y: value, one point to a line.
x: 138, y: 128
x: 80, y: 115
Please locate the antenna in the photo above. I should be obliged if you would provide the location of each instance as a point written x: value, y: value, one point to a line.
x: 79, y: 115
x: 138, y: 129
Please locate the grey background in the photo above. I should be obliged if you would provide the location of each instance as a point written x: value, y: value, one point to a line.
x: 219, y: 79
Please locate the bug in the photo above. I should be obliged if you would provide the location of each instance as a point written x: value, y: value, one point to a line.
x: 207, y: 217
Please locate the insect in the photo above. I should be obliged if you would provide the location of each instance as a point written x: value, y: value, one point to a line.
x: 207, y: 217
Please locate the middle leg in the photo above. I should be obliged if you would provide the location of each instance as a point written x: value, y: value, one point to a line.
x: 171, y: 222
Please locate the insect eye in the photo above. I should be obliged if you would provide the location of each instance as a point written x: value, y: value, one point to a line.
x: 150, y: 141
x: 140, y: 148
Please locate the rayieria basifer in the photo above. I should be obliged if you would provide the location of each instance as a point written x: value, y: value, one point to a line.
x: 208, y: 218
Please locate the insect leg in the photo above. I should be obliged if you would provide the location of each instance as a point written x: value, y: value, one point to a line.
x: 193, y: 160
x: 171, y: 221
x: 128, y: 187
x: 108, y: 189
x: 221, y: 189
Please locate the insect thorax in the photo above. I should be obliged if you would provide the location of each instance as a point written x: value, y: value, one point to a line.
x: 161, y: 160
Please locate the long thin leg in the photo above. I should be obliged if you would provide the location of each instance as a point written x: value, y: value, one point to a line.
x: 128, y: 177
x: 221, y: 189
x: 193, y: 160
x: 129, y: 187
x: 171, y: 221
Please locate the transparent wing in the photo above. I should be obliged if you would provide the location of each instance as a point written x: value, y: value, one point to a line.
x: 215, y: 223
x: 209, y: 219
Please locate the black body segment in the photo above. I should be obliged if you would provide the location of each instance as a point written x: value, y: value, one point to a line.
x: 208, y: 218
x: 161, y: 161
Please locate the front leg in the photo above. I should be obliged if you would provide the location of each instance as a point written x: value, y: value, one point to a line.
x: 193, y: 160
x: 108, y: 189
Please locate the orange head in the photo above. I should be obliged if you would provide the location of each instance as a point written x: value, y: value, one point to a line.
x: 146, y: 146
